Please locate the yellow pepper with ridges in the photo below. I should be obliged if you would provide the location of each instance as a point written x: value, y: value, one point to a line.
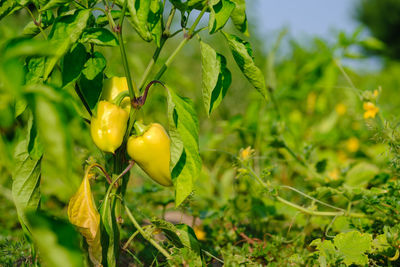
x: 108, y: 126
x: 150, y: 149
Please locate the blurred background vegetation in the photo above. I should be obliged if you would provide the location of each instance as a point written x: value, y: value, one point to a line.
x: 317, y: 88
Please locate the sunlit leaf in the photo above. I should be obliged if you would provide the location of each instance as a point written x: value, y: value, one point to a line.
x: 139, y: 14
x: 185, y: 162
x: 219, y: 14
x: 155, y: 20
x: 353, y: 246
x: 243, y: 55
x: 239, y: 17
x: 65, y: 32
x: 216, y: 78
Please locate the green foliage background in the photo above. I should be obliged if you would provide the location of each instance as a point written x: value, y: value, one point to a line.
x: 310, y: 135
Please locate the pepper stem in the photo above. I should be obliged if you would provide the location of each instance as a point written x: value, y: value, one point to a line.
x: 140, y: 128
x: 118, y: 99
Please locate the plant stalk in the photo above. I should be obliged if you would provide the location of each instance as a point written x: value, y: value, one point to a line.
x: 148, y: 238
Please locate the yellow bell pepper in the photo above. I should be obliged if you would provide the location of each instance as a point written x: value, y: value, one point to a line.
x: 150, y: 149
x: 109, y: 126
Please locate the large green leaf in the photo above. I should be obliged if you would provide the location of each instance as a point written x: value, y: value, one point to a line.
x: 353, y: 247
x: 239, y: 17
x: 139, y: 13
x: 65, y: 32
x: 219, y: 14
x: 91, y: 81
x: 26, y: 175
x: 216, y: 78
x: 73, y: 64
x: 12, y: 73
x: 243, y: 55
x: 185, y: 162
x: 57, y: 241
x: 51, y: 117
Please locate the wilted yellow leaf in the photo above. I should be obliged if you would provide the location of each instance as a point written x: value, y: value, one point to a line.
x: 82, y: 212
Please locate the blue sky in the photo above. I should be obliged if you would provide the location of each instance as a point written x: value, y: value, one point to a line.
x: 304, y: 17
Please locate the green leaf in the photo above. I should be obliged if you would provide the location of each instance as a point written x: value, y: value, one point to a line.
x: 102, y: 20
x: 22, y: 47
x: 7, y: 7
x: 188, y: 5
x: 155, y: 20
x: 57, y: 241
x: 35, y: 67
x: 99, y: 36
x: 109, y: 231
x: 181, y: 235
x: 35, y: 147
x: 219, y: 14
x: 216, y: 78
x: 91, y: 81
x: 139, y: 13
x: 320, y: 166
x: 26, y: 179
x: 178, y: 4
x: 73, y: 64
x: 12, y: 76
x: 31, y: 29
x: 185, y: 162
x: 65, y: 32
x: 239, y: 17
x: 327, y: 252
x: 54, y: 3
x: 361, y: 174
x: 243, y: 56
x: 353, y: 246
x: 50, y: 115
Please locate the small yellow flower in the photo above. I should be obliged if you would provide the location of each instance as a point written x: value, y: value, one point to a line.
x: 200, y: 234
x: 370, y: 110
x: 246, y: 153
x: 341, y: 109
x: 352, y: 144
x: 376, y: 93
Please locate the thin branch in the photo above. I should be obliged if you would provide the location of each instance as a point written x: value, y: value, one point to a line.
x: 145, y: 236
